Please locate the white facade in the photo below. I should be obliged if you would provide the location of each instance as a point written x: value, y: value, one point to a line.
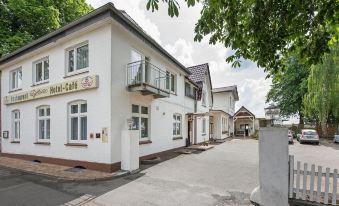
x: 224, y: 100
x: 109, y: 106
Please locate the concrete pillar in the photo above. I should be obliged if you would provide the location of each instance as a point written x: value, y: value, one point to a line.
x: 129, y: 150
x: 273, y: 168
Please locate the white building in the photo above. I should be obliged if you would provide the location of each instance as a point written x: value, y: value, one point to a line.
x: 272, y: 116
x: 67, y: 96
x: 224, y: 99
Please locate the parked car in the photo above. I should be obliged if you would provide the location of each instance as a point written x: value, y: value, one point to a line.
x: 290, y: 137
x: 336, y: 138
x: 308, y: 136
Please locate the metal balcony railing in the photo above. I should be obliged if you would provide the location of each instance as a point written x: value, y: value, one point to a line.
x: 142, y: 73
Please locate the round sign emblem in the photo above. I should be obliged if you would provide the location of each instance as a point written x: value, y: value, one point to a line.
x: 87, y: 82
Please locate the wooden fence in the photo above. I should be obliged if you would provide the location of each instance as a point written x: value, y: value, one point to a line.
x: 316, y: 186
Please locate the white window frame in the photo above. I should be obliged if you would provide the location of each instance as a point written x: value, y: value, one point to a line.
x: 16, y: 134
x: 44, y: 79
x: 139, y: 115
x: 171, y: 87
x: 75, y: 69
x: 18, y: 84
x: 203, y: 123
x: 46, y: 117
x: 77, y: 115
x: 177, y: 125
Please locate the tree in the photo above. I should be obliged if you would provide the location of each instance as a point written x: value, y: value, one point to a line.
x: 323, y: 89
x: 22, y: 21
x: 266, y: 31
x: 289, y: 87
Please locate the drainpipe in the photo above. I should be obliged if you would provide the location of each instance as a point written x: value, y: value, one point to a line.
x: 195, y: 118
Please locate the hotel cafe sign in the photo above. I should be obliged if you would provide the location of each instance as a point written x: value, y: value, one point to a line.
x: 85, y: 83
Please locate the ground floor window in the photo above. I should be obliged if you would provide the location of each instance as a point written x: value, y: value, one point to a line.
x: 176, y: 125
x: 16, y: 125
x: 44, y: 123
x: 204, y: 126
x: 140, y: 116
x: 77, y: 112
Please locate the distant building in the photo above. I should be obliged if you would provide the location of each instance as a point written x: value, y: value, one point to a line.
x: 245, y: 122
x: 272, y: 116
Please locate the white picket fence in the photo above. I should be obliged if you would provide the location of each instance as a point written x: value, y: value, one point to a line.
x: 316, y: 186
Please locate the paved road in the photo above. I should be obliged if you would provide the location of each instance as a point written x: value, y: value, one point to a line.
x: 21, y: 189
x: 224, y: 175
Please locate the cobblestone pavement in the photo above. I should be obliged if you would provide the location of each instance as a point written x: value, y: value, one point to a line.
x: 53, y: 170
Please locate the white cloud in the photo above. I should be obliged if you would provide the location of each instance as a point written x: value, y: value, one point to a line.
x: 182, y: 50
x: 136, y: 9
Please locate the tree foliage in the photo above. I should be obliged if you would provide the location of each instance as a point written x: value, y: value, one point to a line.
x: 322, y: 98
x: 266, y: 31
x: 289, y: 87
x: 22, y: 21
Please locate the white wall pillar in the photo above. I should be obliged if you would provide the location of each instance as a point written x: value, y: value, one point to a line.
x: 273, y: 168
x: 129, y: 150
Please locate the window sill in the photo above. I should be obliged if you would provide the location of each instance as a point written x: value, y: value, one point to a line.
x: 176, y: 138
x: 76, y: 144
x: 39, y: 83
x: 42, y: 143
x: 145, y: 142
x: 15, y: 142
x: 14, y: 90
x: 76, y: 73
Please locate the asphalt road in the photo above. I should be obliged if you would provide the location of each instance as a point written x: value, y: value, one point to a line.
x: 224, y: 175
x: 21, y: 189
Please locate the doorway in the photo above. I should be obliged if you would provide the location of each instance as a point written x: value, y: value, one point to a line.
x: 246, y: 130
x: 189, y: 132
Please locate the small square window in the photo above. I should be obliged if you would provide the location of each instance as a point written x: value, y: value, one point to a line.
x: 83, y: 108
x: 135, y: 108
x: 74, y: 109
x: 144, y: 110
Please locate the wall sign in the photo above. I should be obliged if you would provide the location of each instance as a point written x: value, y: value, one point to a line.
x: 84, y: 83
x: 5, y: 134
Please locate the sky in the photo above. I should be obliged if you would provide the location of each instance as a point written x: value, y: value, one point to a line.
x: 176, y: 35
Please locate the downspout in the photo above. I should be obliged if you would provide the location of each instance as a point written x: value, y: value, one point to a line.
x: 195, y: 118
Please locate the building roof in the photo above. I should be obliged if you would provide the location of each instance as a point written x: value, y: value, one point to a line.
x: 197, y: 75
x: 106, y: 11
x: 232, y: 88
x: 198, y: 72
x: 246, y: 110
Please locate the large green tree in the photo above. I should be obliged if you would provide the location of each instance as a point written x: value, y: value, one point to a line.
x: 22, y: 21
x: 322, y: 99
x: 289, y: 87
x: 266, y: 31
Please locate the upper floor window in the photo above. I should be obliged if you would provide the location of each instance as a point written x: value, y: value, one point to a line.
x: 190, y: 91
x: 176, y: 125
x: 44, y: 123
x: 15, y: 79
x: 171, y: 81
x: 77, y: 121
x: 41, y: 71
x: 203, y: 98
x: 77, y: 58
x: 16, y: 125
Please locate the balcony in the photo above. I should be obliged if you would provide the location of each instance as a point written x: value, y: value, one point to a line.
x: 148, y: 79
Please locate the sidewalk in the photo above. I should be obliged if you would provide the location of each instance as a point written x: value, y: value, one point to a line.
x: 56, y: 171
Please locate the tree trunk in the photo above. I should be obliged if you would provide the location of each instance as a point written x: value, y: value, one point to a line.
x: 301, y: 118
x: 324, y: 128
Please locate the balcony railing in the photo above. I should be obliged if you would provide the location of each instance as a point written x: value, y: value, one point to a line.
x: 148, y: 79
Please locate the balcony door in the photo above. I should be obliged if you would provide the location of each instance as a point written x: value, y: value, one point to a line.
x: 136, y: 70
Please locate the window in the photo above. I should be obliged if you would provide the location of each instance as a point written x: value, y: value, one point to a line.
x: 44, y: 123
x: 224, y: 124
x: 77, y: 58
x: 204, y: 126
x: 16, y: 125
x: 15, y: 79
x: 77, y: 121
x: 171, y: 81
x: 190, y: 91
x: 140, y: 116
x: 41, y: 71
x: 203, y: 98
x: 176, y: 125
